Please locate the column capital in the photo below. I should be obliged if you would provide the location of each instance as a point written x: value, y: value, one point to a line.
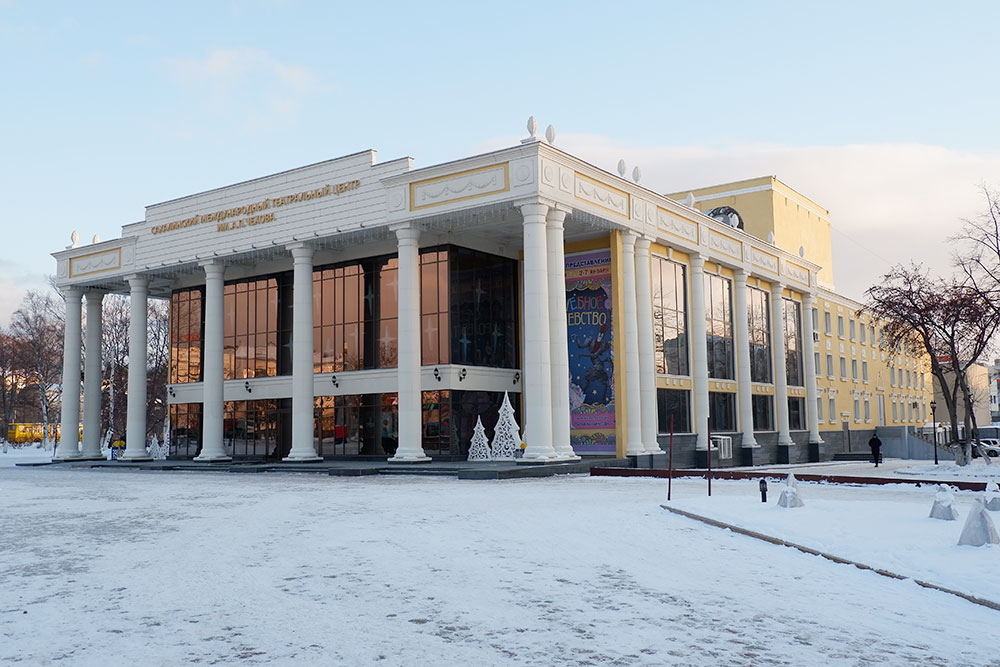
x: 777, y: 287
x: 740, y: 275
x: 301, y: 251
x: 629, y: 237
x: 534, y: 209
x: 97, y: 293
x: 642, y: 245
x: 72, y: 292
x: 137, y: 281
x: 213, y: 268
x: 697, y: 261
x: 555, y: 218
x: 407, y: 234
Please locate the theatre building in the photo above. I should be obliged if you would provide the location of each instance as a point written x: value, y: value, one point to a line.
x: 358, y: 308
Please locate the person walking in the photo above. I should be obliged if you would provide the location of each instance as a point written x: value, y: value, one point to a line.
x: 876, y: 447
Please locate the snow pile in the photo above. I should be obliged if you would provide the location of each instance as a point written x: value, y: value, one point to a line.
x: 992, y: 499
x: 979, y: 529
x: 977, y: 470
x: 944, y: 504
x: 790, y: 493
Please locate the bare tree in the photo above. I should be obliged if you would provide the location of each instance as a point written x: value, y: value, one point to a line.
x: 952, y: 320
x: 157, y: 366
x: 38, y: 324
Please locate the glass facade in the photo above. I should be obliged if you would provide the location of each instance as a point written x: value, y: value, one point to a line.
x: 673, y: 410
x: 721, y: 411
x: 257, y: 327
x: 793, y: 343
x: 719, y: 326
x: 258, y: 429
x: 356, y: 425
x: 483, y: 313
x: 355, y: 315
x: 796, y: 413
x: 670, y: 317
x: 759, y: 325
x: 763, y: 412
x: 449, y: 419
x: 186, y: 316
x: 185, y: 430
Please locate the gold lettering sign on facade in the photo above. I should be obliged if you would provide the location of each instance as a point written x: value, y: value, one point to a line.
x: 252, y: 212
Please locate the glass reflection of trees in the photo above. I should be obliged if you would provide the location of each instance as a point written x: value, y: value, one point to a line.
x: 759, y: 320
x: 719, y: 326
x: 256, y: 333
x: 185, y: 335
x: 793, y: 343
x: 669, y: 317
x: 356, y: 425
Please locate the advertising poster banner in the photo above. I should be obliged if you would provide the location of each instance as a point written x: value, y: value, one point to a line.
x: 591, y: 355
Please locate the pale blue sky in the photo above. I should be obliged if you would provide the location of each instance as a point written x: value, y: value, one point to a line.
x: 884, y: 112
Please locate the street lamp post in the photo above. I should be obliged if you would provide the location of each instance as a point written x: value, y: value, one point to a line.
x: 934, y: 420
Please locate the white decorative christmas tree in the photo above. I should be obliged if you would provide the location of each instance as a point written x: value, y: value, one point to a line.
x: 479, y: 450
x: 506, y: 436
x: 944, y: 504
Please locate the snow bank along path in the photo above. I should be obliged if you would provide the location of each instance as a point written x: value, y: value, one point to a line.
x: 100, y: 567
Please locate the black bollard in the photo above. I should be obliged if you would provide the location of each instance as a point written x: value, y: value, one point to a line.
x: 763, y: 490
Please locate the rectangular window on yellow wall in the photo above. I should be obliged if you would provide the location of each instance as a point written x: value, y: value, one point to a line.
x: 826, y: 323
x: 840, y: 325
x: 833, y: 409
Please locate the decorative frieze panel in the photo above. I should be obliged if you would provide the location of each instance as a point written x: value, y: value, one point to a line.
x: 397, y: 198
x: 460, y: 187
x: 97, y: 262
x: 763, y: 260
x: 676, y: 226
x: 795, y: 272
x: 603, y: 196
x: 724, y: 244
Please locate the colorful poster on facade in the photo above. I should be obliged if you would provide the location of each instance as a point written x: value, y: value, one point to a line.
x: 591, y: 354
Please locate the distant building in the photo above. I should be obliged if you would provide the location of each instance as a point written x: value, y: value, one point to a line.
x: 983, y: 395
x: 358, y: 308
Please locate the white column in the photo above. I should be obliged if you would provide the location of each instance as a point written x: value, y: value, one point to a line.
x: 410, y: 449
x: 303, y: 450
x: 647, y: 364
x: 69, y: 441
x: 537, y: 356
x: 633, y: 394
x: 812, y: 415
x: 135, y: 424
x: 212, y: 445
x: 740, y: 321
x: 699, y: 351
x: 93, y: 373
x: 778, y: 352
x: 558, y: 347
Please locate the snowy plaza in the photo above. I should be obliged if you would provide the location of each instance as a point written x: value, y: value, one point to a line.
x: 125, y: 567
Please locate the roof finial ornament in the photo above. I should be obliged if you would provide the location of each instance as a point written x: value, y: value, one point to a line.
x: 75, y: 239
x: 802, y: 251
x: 96, y: 239
x: 621, y: 168
x: 532, y: 128
x: 689, y: 200
x: 550, y: 135
x: 636, y: 174
x: 770, y: 238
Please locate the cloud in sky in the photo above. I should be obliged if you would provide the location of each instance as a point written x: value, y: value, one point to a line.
x: 888, y: 203
x: 248, y: 84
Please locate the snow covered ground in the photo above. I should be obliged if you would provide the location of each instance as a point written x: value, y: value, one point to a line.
x: 129, y: 567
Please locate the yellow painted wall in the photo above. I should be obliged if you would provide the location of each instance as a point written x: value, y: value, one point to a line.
x: 795, y: 220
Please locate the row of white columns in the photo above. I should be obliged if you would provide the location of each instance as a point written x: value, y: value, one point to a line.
x: 742, y: 341
x: 546, y: 356
x: 135, y: 425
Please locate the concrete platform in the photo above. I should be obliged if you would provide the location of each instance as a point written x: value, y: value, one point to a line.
x: 359, y: 467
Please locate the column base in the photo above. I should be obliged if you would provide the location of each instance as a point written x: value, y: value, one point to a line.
x: 302, y: 459
x: 409, y: 459
x: 213, y: 459
x: 787, y: 453
x: 750, y: 455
